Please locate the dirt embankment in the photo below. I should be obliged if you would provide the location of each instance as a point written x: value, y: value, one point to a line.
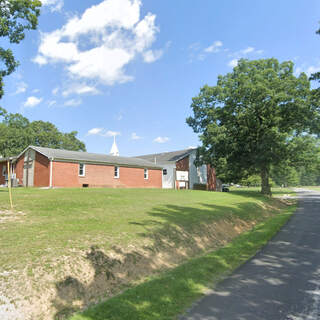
x: 82, y: 278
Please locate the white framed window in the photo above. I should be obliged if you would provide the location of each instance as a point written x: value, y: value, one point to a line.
x: 116, y: 172
x: 164, y: 172
x: 146, y: 174
x: 82, y: 170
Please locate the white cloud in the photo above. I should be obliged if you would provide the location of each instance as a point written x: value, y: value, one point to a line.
x: 161, y: 139
x: 55, y: 5
x: 73, y: 102
x: 40, y: 60
x: 32, y: 102
x: 110, y: 133
x: 55, y: 91
x: 52, y: 103
x: 233, y: 63
x: 102, y: 132
x: 198, y: 53
x: 307, y: 69
x: 80, y: 89
x: 247, y: 50
x: 35, y: 91
x: 215, y: 47
x: 134, y: 136
x: 151, y: 56
x: 21, y: 88
x: 244, y: 53
x: 101, y: 42
x: 94, y: 131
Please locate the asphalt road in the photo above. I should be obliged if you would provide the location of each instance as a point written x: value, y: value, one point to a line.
x: 281, y: 282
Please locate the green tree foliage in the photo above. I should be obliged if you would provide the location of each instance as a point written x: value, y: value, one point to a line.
x: 305, y: 169
x: 315, y: 98
x: 285, y: 175
x: 17, y: 132
x: 252, y: 118
x: 16, y: 16
x: 251, y: 181
x: 316, y: 76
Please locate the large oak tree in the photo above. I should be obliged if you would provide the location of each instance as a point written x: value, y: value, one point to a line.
x: 16, y: 16
x: 250, y: 119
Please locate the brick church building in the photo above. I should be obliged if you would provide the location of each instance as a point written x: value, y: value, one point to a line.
x: 46, y: 167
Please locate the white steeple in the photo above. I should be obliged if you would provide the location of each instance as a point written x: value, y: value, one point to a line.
x: 114, y: 149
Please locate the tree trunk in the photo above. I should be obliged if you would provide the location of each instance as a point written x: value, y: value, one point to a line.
x: 265, y: 186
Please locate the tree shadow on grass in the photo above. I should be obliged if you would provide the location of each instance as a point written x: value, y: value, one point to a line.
x: 166, y: 296
x: 174, y: 227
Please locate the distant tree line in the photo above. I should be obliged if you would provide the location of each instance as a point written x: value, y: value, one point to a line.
x: 17, y: 132
x: 305, y: 171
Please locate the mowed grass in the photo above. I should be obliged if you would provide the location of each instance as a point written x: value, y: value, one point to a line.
x: 276, y: 191
x: 315, y: 188
x: 166, y: 296
x: 61, y: 220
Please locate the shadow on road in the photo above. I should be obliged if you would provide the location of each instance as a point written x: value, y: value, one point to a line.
x: 281, y: 282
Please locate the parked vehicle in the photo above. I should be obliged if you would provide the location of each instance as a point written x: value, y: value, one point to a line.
x: 225, y: 188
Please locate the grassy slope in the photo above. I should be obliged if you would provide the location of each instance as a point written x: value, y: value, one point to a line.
x: 68, y: 222
x: 168, y: 295
x: 57, y: 221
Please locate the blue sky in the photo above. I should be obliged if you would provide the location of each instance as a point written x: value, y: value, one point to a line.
x: 130, y: 67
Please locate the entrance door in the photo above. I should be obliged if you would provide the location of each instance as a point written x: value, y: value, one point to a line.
x: 28, y: 168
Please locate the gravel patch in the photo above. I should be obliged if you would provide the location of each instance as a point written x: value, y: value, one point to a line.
x: 8, y: 310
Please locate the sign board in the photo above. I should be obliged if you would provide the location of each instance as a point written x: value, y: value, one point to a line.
x: 182, y: 184
x: 182, y: 175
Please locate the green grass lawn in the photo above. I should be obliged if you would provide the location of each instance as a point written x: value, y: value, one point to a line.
x: 276, y: 191
x: 78, y: 227
x: 315, y: 188
x: 61, y: 219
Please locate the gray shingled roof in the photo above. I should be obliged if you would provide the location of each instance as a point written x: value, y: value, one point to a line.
x: 8, y: 158
x: 166, y: 157
x: 58, y: 154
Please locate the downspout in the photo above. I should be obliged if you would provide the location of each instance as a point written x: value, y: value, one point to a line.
x: 50, y: 186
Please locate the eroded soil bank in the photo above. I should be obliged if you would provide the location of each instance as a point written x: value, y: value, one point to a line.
x: 82, y: 277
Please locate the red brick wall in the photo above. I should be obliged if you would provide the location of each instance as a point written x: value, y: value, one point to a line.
x: 19, y: 169
x: 211, y: 178
x: 2, y: 178
x: 41, y: 171
x: 66, y: 174
x: 183, y: 164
